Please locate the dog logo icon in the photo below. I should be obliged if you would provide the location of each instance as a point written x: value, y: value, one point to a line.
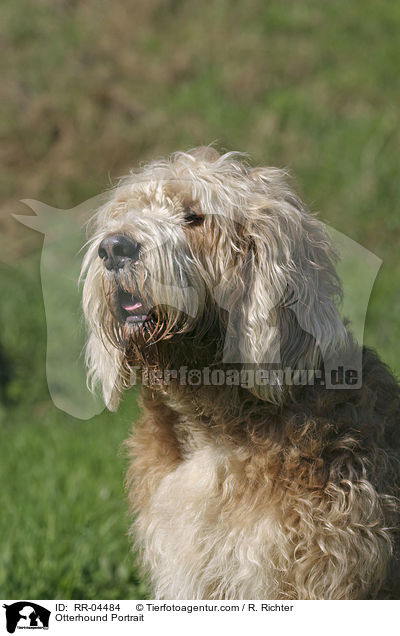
x: 26, y: 615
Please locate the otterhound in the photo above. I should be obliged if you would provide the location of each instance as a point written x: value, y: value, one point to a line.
x: 253, y: 474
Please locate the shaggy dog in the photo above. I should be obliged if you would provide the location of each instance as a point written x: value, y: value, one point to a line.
x: 198, y: 265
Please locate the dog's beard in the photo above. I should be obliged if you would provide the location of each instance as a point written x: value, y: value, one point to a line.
x: 150, y: 333
x: 138, y: 324
x: 134, y: 325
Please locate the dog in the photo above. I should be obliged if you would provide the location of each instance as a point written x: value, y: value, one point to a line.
x: 200, y: 264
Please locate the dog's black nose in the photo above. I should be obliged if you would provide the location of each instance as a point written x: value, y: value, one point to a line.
x: 117, y: 249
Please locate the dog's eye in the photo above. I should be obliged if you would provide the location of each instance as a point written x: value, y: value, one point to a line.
x: 192, y: 219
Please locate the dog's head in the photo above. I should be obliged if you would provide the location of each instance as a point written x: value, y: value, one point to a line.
x: 200, y: 255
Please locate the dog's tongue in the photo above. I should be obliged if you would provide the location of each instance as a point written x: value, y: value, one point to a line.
x: 132, y: 307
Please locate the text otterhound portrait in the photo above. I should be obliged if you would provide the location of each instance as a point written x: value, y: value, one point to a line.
x: 210, y: 282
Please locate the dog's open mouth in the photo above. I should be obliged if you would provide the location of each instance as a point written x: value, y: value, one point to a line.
x: 132, y: 309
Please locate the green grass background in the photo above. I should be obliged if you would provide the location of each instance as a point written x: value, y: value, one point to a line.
x: 89, y: 89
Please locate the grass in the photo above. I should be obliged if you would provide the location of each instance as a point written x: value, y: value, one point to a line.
x: 89, y: 90
x: 63, y: 522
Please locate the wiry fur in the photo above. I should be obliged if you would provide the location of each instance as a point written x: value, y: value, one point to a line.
x: 266, y: 492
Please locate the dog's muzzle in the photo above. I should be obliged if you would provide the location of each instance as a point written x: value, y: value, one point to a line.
x: 116, y: 251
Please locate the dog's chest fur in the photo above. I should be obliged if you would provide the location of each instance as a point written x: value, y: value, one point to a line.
x: 223, y: 516
x: 201, y: 538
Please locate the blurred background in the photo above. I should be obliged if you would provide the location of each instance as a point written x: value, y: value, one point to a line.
x: 89, y: 89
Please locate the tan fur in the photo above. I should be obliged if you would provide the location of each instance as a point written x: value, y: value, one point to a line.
x: 268, y: 492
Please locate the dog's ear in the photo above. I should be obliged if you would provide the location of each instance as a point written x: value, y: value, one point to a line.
x: 104, y: 370
x: 288, y: 317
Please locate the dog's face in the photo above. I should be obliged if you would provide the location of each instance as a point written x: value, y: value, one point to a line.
x: 204, y: 252
x: 155, y: 260
x: 149, y: 267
